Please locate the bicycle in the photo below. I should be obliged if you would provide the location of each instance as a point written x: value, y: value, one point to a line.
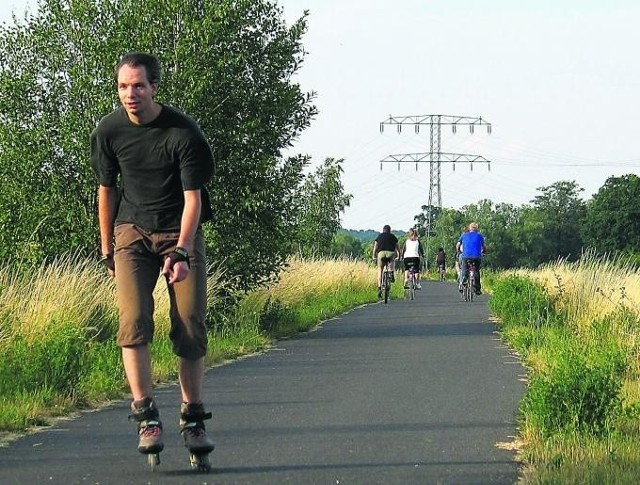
x: 469, y: 282
x: 441, y: 272
x: 387, y: 279
x: 412, y: 282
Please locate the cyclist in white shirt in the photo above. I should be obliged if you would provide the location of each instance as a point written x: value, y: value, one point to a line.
x: 411, y: 253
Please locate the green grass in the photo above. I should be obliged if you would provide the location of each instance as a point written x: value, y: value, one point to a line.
x: 579, y: 419
x: 576, y: 327
x: 58, y: 325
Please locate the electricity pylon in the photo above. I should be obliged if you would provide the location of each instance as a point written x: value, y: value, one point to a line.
x: 435, y: 157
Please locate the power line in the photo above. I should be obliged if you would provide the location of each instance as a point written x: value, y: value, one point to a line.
x: 435, y: 157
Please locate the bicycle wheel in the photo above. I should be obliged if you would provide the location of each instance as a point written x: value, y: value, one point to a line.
x: 412, y: 285
x: 472, y: 284
x: 387, y: 286
x: 407, y: 288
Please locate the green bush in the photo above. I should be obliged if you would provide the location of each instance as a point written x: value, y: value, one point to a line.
x: 275, y: 315
x: 580, y: 393
x: 519, y: 300
x: 54, y: 363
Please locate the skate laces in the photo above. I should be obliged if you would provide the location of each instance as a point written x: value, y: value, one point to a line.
x: 151, y: 429
x: 195, y: 431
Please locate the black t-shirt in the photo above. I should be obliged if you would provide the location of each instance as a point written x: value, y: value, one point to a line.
x: 387, y: 241
x: 155, y: 163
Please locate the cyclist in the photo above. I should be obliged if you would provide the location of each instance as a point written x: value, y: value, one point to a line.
x: 472, y: 246
x: 441, y: 262
x: 458, y: 254
x: 412, y: 252
x: 385, y: 246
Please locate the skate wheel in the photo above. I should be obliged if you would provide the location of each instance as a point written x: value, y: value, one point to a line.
x: 200, y: 463
x: 153, y: 459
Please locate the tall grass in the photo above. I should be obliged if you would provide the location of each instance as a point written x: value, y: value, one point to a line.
x: 311, y: 290
x: 52, y: 319
x: 592, y: 288
x: 576, y: 326
x: 58, y: 324
x: 57, y: 338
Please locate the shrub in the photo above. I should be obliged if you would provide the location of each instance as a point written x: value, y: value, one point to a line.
x: 275, y: 315
x: 519, y: 300
x: 54, y: 362
x: 580, y: 393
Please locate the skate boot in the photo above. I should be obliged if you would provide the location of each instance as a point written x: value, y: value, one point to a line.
x: 150, y: 443
x: 195, y: 437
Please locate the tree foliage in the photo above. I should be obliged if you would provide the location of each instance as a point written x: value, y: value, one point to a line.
x: 446, y: 226
x: 227, y: 63
x: 611, y: 222
x: 559, y: 212
x: 556, y: 224
x: 48, y: 105
x: 322, y: 199
x: 344, y: 244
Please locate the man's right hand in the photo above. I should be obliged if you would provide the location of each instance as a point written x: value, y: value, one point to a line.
x: 109, y: 263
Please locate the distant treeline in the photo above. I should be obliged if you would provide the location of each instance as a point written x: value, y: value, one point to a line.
x: 367, y: 235
x: 557, y: 224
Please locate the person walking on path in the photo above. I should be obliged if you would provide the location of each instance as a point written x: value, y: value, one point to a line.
x: 152, y: 163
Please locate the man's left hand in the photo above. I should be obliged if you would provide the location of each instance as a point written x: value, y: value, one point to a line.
x: 175, y: 268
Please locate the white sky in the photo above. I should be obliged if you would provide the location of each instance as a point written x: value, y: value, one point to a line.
x: 558, y: 79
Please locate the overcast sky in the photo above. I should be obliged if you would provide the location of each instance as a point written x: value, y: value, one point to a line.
x: 557, y: 79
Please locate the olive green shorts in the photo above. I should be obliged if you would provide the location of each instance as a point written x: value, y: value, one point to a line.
x: 139, y: 257
x: 385, y: 254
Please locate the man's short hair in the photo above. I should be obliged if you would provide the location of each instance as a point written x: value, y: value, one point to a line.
x: 473, y: 226
x: 386, y: 228
x: 136, y: 59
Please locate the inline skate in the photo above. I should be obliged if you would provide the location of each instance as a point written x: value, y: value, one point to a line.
x: 195, y: 437
x: 147, y: 417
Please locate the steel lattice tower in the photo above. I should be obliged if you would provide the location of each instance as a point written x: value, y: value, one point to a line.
x: 435, y: 157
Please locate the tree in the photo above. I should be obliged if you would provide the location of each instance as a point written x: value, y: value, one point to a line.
x: 510, y: 245
x: 446, y: 229
x: 425, y: 222
x: 611, y: 223
x: 501, y: 224
x: 344, y: 244
x: 227, y: 63
x: 559, y: 212
x: 322, y: 200
x: 48, y: 197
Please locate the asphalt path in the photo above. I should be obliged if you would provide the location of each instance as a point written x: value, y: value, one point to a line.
x: 412, y: 392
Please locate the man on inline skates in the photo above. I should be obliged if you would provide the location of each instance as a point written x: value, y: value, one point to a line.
x: 152, y: 163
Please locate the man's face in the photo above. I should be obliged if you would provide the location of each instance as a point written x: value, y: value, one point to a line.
x: 136, y: 92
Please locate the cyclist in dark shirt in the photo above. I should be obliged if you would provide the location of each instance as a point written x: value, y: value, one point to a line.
x: 441, y: 262
x: 385, y: 246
